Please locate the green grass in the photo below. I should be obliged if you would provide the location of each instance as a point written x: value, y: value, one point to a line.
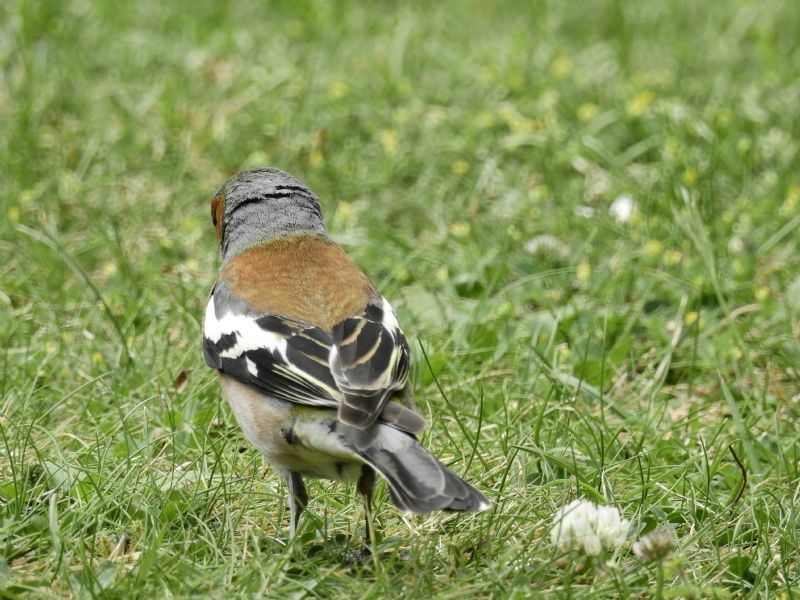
x: 635, y: 364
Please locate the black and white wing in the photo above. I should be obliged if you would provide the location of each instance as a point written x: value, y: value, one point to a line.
x: 356, y: 367
x: 369, y: 360
x: 284, y: 358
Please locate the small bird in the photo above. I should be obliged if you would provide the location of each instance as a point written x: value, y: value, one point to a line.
x: 311, y: 357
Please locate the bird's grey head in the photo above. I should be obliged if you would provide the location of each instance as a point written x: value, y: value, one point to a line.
x: 259, y: 205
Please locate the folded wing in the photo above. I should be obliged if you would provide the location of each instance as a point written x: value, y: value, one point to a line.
x: 356, y: 367
x: 284, y: 358
x: 369, y: 360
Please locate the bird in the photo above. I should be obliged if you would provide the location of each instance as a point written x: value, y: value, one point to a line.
x: 311, y: 357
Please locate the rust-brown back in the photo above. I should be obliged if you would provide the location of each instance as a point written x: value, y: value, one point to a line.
x: 306, y: 277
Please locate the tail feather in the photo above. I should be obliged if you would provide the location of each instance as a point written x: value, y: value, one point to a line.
x: 403, y: 418
x: 418, y: 483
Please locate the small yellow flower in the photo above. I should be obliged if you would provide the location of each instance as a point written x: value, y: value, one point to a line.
x: 108, y: 268
x: 13, y: 213
x: 460, y: 167
x: 637, y: 105
x: 315, y: 158
x: 724, y: 116
x: 337, y: 89
x: 403, y: 275
x: 564, y: 351
x: 460, y: 229
x: 672, y: 257
x: 294, y: 29
x: 689, y: 176
x: 388, y: 138
x: 517, y: 123
x: 560, y: 66
x: 505, y: 309
x: 442, y: 274
x: 257, y: 158
x: 743, y: 144
x: 588, y: 111
x: 584, y: 271
x: 789, y: 206
x: 672, y: 146
x: 516, y: 81
x: 344, y: 211
x: 653, y: 248
x: 761, y: 293
x: 28, y: 196
x: 190, y: 224
x: 690, y: 317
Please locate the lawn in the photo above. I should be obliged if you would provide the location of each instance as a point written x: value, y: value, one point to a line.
x: 587, y: 215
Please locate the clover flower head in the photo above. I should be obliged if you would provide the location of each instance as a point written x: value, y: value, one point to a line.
x: 588, y: 527
x: 656, y: 545
x: 622, y: 208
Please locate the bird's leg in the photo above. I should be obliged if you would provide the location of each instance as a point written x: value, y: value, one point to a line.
x: 365, y: 486
x: 298, y: 500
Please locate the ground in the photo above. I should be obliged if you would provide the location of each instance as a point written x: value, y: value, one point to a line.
x: 585, y: 213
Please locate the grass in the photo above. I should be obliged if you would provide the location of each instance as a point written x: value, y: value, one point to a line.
x: 467, y: 155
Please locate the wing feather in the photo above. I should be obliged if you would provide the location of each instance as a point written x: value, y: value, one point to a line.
x: 284, y: 358
x: 369, y: 360
x: 357, y: 366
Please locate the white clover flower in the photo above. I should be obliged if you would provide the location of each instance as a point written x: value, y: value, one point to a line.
x: 656, y: 545
x: 590, y: 528
x: 611, y: 528
x: 622, y: 208
x: 546, y: 242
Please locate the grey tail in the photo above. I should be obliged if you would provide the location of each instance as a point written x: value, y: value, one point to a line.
x: 403, y: 418
x: 418, y: 483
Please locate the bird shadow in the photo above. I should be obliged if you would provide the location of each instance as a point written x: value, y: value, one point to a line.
x: 341, y: 549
